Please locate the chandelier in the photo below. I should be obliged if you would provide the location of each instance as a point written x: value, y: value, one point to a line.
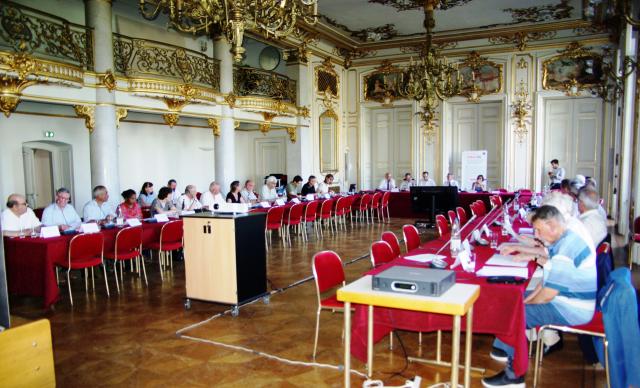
x: 271, y: 18
x: 430, y: 79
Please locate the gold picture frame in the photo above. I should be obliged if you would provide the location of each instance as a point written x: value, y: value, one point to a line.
x: 574, y: 69
x: 480, y: 77
x: 328, y: 127
x: 384, y: 83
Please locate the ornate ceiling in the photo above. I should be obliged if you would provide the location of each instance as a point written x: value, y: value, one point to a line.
x: 384, y: 20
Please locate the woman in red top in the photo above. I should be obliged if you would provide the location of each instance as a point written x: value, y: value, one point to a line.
x: 130, y: 208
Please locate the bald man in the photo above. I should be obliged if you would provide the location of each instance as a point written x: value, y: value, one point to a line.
x: 18, y: 218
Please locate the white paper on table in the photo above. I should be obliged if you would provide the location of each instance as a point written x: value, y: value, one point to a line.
x: 161, y: 217
x: 295, y: 200
x: 466, y: 246
x: 396, y: 190
x: 187, y: 212
x: 91, y: 227
x: 265, y: 204
x: 488, y: 270
x: 310, y: 197
x: 425, y: 258
x: 280, y: 202
x: 465, y: 260
x: 49, y: 231
x: 506, y: 261
x: 525, y: 231
x: 455, y: 245
x: 476, y: 235
x: 119, y: 221
x: 523, y: 213
x: 133, y: 222
x: 486, y: 230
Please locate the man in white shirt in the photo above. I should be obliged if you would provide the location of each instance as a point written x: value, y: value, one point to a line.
x: 450, y: 181
x: 247, y: 192
x: 212, y: 197
x: 323, y: 187
x: 268, y: 192
x: 17, y: 218
x: 426, y: 181
x: 60, y: 213
x: 99, y: 209
x: 189, y: 200
x: 407, y: 182
x: 172, y: 184
x: 388, y: 183
x: 556, y: 175
x: 590, y: 216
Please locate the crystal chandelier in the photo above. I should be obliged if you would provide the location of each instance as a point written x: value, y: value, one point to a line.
x: 271, y: 18
x: 430, y: 79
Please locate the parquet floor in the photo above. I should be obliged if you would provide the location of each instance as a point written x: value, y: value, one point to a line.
x: 130, y: 339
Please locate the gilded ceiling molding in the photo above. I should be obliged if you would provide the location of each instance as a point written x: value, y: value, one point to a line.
x: 266, y: 125
x: 291, y: 131
x: 541, y: 13
x: 171, y: 119
x: 187, y: 94
x: 327, y: 79
x: 108, y: 80
x: 214, y: 124
x: 121, y: 113
x: 349, y: 55
x: 20, y: 74
x: 87, y: 112
x: 302, y: 52
x: 160, y: 89
x: 590, y: 30
x: 521, y: 39
x: 409, y: 5
x: 304, y: 111
x: 369, y: 34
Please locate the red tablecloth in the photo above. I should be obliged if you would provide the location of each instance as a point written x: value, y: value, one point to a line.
x: 400, y: 203
x: 30, y: 261
x: 499, y: 310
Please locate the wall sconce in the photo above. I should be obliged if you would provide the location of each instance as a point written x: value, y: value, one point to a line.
x: 521, y: 110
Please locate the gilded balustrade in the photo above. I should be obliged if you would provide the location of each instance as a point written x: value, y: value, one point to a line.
x: 251, y: 82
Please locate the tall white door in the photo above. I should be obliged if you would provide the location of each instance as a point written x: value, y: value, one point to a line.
x: 390, y: 143
x: 270, y: 158
x: 573, y: 135
x: 478, y: 127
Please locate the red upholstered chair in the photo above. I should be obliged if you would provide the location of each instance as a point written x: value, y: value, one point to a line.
x: 294, y: 218
x: 462, y: 215
x: 496, y: 201
x: 392, y: 240
x: 376, y: 205
x: 482, y: 209
x: 348, y: 204
x: 525, y: 192
x: 363, y: 207
x: 310, y: 217
x: 380, y: 253
x: 128, y: 247
x: 384, y: 205
x: 85, y: 251
x: 452, y: 216
x: 441, y: 224
x: 170, y: 240
x: 339, y: 211
x: 411, y: 237
x: 328, y: 274
x: 274, y: 222
x: 326, y: 214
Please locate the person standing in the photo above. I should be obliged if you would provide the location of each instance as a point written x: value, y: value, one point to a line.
x: 556, y: 175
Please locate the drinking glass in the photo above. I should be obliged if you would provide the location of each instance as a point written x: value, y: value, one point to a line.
x: 494, y: 240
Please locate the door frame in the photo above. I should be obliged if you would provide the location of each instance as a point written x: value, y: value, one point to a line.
x: 58, y: 150
x: 282, y: 140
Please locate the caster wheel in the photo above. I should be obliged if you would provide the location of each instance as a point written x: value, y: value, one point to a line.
x: 187, y: 304
x: 266, y: 299
x: 235, y: 311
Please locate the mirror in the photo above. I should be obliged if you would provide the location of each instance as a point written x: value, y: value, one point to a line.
x: 328, y: 141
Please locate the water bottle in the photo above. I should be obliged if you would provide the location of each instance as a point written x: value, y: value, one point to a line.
x: 455, y: 244
x: 516, y: 202
x: 505, y: 221
x: 119, y: 218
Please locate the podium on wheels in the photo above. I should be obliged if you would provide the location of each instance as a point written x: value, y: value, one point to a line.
x: 225, y: 258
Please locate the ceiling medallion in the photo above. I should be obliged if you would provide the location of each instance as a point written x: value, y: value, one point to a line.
x: 409, y: 5
x: 542, y: 13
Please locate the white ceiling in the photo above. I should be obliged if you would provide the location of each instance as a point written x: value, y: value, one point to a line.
x: 469, y: 14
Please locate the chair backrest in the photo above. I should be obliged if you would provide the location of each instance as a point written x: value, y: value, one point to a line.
x: 393, y: 242
x: 85, y: 246
x: 310, y: 211
x: 376, y: 200
x: 604, y: 264
x: 327, y: 208
x: 171, y: 232
x: 385, y: 199
x: 441, y: 224
x: 348, y: 201
x: 481, y: 207
x: 328, y: 271
x: 411, y: 237
x: 128, y: 239
x: 495, y: 200
x: 474, y: 209
x: 295, y: 213
x: 365, y: 201
x: 380, y: 253
x: 462, y: 215
x: 274, y: 217
x: 452, y: 216
x: 27, y: 356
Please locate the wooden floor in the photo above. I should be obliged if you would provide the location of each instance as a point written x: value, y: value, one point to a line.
x: 130, y: 339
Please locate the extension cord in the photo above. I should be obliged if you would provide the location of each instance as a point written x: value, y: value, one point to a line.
x: 379, y: 384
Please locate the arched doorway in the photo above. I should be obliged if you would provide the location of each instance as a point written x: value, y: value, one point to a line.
x: 48, y: 165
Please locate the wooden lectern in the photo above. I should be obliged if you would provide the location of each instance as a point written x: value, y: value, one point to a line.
x: 225, y: 258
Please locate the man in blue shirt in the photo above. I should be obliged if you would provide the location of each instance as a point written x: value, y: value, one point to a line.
x: 99, y: 209
x: 60, y: 213
x: 567, y: 294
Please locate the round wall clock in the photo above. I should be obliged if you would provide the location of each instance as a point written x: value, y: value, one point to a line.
x: 269, y: 58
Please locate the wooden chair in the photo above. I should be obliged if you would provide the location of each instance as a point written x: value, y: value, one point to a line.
x: 27, y: 356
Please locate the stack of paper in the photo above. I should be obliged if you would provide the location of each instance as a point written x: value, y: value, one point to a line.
x: 425, y: 258
x: 506, y: 261
x: 488, y: 270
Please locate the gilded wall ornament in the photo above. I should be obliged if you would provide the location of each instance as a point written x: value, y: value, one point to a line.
x: 543, y: 13
x: 266, y: 125
x: 522, y: 63
x: 291, y: 131
x: 87, y: 112
x: 171, y: 119
x: 121, y: 113
x: 214, y: 124
x: 304, y: 111
x: 479, y: 76
x: 349, y: 55
x: 327, y: 79
x: 11, y: 85
x: 384, y: 84
x: 574, y: 69
x: 409, y: 5
x: 521, y: 39
x: 108, y: 80
x: 521, y: 111
x: 429, y: 131
x: 248, y: 81
x: 369, y: 34
x: 230, y: 99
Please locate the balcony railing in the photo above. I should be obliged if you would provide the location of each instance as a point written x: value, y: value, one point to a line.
x: 135, y: 58
x: 27, y: 30
x: 248, y: 81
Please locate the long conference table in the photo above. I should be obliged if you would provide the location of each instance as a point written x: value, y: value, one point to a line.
x: 499, y: 309
x: 400, y: 202
x: 30, y: 262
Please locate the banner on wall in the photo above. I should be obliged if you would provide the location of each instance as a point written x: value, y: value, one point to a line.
x: 474, y: 163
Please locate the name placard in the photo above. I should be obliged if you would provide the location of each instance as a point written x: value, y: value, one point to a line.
x: 280, y: 202
x: 133, y: 222
x: 265, y: 204
x: 310, y: 197
x: 295, y: 200
x: 91, y: 227
x: 187, y: 212
x: 49, y: 231
x: 161, y: 218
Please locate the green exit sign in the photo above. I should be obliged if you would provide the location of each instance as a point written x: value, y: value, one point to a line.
x: 49, y: 134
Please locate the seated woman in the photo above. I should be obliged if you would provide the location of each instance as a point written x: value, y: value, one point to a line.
x: 479, y: 185
x: 129, y: 208
x: 146, y: 196
x: 163, y: 204
x: 234, y: 195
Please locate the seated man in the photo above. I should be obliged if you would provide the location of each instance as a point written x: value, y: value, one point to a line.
x: 99, y: 209
x: 590, y: 215
x: 269, y: 192
x: 310, y: 186
x: 567, y: 293
x: 323, y: 187
x: 388, y: 183
x: 17, y: 218
x: 406, y: 183
x: 450, y: 181
x: 292, y: 188
x: 172, y: 184
x: 60, y: 213
x: 426, y: 181
x: 189, y: 200
x: 212, y: 197
x: 247, y: 192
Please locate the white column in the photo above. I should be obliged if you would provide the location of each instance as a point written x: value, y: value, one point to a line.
x: 300, y: 162
x: 225, y: 144
x: 104, y: 139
